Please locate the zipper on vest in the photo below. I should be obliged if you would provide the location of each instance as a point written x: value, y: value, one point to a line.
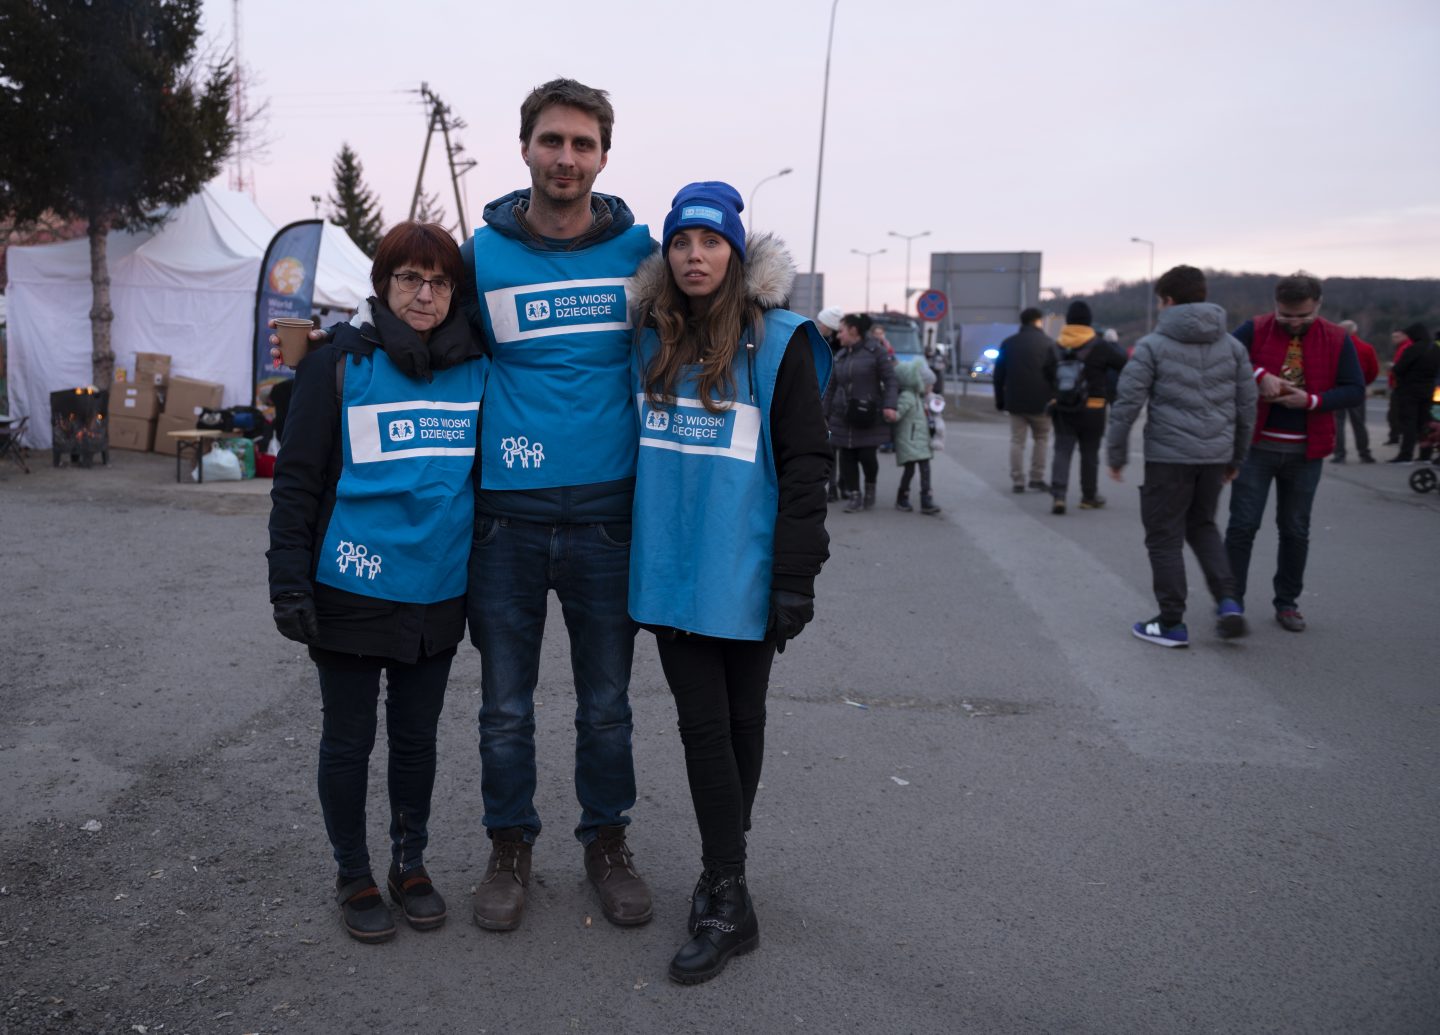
x: 750, y: 366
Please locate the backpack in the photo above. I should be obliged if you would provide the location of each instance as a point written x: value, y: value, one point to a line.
x: 1072, y: 387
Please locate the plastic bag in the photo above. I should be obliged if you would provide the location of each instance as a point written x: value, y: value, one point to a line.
x: 244, y: 451
x: 220, y: 465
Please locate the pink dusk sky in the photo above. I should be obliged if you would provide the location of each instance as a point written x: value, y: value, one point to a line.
x: 1240, y: 135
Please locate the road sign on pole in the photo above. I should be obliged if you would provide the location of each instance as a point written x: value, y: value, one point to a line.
x: 932, y: 305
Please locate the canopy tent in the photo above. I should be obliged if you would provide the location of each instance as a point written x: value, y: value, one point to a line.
x: 186, y: 289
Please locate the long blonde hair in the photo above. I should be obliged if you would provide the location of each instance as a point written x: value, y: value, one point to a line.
x: 710, y: 340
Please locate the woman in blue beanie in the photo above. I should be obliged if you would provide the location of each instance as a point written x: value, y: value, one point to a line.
x: 729, y: 529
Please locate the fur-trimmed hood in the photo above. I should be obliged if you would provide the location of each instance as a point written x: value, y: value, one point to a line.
x: 769, y: 274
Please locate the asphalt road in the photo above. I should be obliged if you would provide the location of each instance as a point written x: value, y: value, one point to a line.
x: 986, y: 807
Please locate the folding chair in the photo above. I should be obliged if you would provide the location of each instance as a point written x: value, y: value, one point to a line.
x: 12, y: 442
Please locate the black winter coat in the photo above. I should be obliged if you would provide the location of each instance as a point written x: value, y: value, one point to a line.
x: 863, y: 371
x: 1025, y: 372
x: 307, y: 470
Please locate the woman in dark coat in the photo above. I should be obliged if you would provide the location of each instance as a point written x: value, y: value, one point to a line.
x: 370, y: 526
x: 860, y: 406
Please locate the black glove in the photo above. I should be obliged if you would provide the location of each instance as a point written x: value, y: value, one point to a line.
x: 295, y: 617
x: 789, y: 613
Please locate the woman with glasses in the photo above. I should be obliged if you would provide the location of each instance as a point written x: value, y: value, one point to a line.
x: 370, y: 526
x: 729, y: 529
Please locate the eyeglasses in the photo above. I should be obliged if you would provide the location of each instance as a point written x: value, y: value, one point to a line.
x: 409, y: 283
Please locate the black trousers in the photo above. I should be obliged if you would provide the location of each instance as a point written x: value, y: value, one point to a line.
x: 1355, y: 417
x: 719, y: 688
x: 1177, y: 506
x: 1412, y: 404
x: 414, y: 697
x: 908, y: 473
x: 1087, y: 430
x: 851, y: 463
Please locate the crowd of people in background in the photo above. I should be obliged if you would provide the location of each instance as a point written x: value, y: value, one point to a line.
x: 1256, y: 409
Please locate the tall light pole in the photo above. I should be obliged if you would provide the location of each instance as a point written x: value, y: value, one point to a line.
x: 907, y: 238
x: 750, y: 219
x: 813, y: 302
x: 868, y: 257
x: 1150, y: 286
x: 315, y: 200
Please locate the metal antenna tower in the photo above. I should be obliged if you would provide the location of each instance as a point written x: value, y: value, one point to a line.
x: 240, y: 179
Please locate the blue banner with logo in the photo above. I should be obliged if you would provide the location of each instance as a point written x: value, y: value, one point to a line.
x: 287, y: 288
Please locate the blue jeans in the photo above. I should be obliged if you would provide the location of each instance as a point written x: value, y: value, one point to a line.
x: 1296, y: 480
x: 513, y: 567
x: 414, y: 697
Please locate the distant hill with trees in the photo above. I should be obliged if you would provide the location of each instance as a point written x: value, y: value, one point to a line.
x: 1378, y: 304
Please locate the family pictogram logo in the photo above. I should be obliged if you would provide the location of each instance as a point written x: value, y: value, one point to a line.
x: 538, y: 309
x: 402, y: 430
x: 518, y: 447
x: 358, y: 554
x: 657, y: 420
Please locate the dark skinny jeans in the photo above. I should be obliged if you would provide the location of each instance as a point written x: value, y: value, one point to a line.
x: 414, y: 696
x: 719, y: 688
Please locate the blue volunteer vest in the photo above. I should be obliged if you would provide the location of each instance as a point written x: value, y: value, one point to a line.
x: 707, y: 495
x: 558, y: 409
x: 404, y: 508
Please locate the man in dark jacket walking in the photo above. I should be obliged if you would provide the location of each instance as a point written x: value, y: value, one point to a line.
x: 1024, y: 386
x: 1355, y: 415
x: 1080, y: 413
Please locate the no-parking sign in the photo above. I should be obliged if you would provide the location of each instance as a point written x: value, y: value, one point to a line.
x: 932, y: 305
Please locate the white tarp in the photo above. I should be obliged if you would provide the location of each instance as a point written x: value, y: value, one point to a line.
x: 186, y: 290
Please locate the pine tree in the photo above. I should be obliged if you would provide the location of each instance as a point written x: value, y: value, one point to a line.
x: 106, y: 119
x: 430, y: 210
x: 354, y: 205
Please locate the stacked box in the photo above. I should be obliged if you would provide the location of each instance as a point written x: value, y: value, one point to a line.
x: 135, y: 401
x: 152, y: 368
x: 185, y: 397
x: 131, y: 433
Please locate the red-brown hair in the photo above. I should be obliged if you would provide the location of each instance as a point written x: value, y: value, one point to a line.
x: 421, y: 245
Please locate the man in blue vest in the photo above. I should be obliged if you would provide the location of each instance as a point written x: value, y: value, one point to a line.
x: 558, y: 445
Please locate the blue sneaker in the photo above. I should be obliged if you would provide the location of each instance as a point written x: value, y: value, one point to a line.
x: 1165, y: 635
x: 1230, y: 620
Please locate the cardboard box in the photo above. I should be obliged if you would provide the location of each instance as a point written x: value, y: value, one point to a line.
x: 152, y: 368
x: 135, y: 401
x: 163, y: 442
x: 186, y: 397
x: 132, y: 433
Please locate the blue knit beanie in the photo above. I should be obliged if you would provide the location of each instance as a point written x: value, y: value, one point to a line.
x: 709, y: 204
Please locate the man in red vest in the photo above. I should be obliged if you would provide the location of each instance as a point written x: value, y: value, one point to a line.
x: 1307, y: 369
x: 1369, y: 371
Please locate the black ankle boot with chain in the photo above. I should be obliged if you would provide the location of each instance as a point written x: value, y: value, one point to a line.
x: 725, y: 927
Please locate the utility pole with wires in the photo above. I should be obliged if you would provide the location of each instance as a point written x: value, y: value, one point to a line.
x: 439, y: 116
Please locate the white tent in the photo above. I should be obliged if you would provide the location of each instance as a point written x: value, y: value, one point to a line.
x: 187, y: 290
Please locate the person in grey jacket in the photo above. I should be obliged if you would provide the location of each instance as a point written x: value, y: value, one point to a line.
x: 1198, y: 385
x: 861, y: 392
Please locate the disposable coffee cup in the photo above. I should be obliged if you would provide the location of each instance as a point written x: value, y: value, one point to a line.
x: 294, y: 335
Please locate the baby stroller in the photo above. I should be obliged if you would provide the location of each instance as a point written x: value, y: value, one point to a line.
x: 1426, y: 478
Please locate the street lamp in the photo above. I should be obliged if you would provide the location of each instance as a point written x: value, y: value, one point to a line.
x: 315, y: 200
x: 1150, y: 287
x: 905, y: 307
x: 750, y: 220
x: 812, y: 301
x: 868, y: 257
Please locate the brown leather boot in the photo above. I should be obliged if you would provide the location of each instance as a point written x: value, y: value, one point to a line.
x: 500, y: 898
x: 609, y: 863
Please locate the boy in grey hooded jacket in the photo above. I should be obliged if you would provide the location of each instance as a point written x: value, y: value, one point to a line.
x: 1199, y: 387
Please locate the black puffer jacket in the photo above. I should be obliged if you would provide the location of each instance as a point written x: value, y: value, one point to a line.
x: 863, y: 371
x: 307, y: 471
